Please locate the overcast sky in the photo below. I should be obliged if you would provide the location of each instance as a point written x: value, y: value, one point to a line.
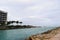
x: 33, y: 12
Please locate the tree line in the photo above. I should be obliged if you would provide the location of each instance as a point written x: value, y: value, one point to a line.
x: 11, y: 22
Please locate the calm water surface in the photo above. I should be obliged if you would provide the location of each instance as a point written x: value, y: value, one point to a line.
x: 21, y: 34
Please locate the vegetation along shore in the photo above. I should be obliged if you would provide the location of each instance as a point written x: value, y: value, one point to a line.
x: 10, y: 25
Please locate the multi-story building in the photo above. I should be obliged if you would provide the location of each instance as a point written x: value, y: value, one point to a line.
x: 3, y: 18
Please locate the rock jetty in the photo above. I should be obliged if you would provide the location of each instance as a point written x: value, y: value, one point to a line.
x: 46, y: 35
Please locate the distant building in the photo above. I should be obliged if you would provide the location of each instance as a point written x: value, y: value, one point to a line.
x: 3, y: 18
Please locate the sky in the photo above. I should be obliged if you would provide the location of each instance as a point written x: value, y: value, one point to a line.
x: 33, y: 12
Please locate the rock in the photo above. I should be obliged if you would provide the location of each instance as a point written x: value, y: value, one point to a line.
x: 46, y: 35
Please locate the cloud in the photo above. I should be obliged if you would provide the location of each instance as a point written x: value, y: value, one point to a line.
x: 35, y: 12
x: 19, y: 0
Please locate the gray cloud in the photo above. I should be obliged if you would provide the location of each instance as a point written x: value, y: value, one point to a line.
x: 34, y: 12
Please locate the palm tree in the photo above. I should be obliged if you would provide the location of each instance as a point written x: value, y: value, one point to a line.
x: 20, y: 22
x: 9, y: 22
x: 17, y: 22
x: 12, y: 22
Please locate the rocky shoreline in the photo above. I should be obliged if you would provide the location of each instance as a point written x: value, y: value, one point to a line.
x: 46, y: 35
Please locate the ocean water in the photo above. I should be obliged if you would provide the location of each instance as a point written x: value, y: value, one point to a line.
x: 21, y: 34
